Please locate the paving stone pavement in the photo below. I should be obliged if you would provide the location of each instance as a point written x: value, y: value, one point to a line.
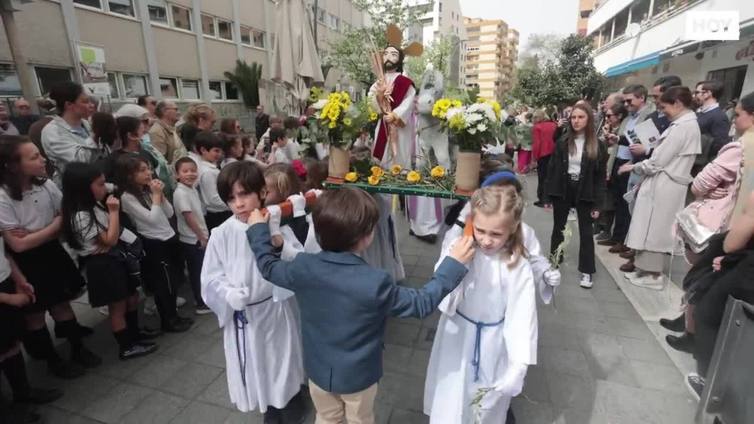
x: 598, y: 363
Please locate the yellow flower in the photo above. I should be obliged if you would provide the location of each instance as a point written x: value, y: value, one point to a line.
x: 413, y: 177
x: 347, y: 122
x: 373, y: 180
x: 437, y: 172
x: 351, y: 177
x: 373, y: 116
x: 457, y: 122
x: 377, y: 171
x: 396, y: 169
x: 331, y: 125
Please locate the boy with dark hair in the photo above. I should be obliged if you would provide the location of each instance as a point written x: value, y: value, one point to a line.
x: 713, y: 122
x: 279, y: 146
x: 344, y: 302
x: 210, y: 148
x: 259, y: 322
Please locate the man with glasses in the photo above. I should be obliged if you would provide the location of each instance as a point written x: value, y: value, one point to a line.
x: 23, y: 118
x: 163, y: 135
x: 713, y: 122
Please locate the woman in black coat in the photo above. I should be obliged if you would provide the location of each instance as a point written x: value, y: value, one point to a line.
x: 576, y: 178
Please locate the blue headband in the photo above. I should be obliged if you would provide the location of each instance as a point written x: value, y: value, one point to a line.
x: 499, y: 176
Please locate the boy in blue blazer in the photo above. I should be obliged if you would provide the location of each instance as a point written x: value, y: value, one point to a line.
x: 344, y: 302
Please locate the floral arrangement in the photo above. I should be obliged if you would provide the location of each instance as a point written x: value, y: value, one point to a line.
x: 436, y: 178
x: 342, y: 119
x: 471, y: 125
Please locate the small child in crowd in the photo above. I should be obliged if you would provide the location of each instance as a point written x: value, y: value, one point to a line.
x: 210, y: 148
x: 344, y: 302
x: 279, y: 152
x: 144, y: 202
x: 233, y: 149
x: 259, y: 322
x: 487, y: 334
x: 93, y: 230
x: 192, y: 229
x: 30, y: 222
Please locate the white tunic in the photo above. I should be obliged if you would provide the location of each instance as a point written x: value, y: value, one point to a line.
x: 383, y: 253
x: 270, y: 342
x: 489, y: 293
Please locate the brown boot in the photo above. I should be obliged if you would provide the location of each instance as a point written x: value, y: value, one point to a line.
x: 607, y: 242
x: 628, y: 267
x: 618, y: 248
x: 628, y: 254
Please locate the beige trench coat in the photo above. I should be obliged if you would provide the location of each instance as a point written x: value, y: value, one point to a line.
x: 665, y: 179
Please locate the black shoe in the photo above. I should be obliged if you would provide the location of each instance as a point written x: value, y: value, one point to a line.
x: 539, y: 204
x: 65, y: 370
x: 429, y: 238
x: 695, y: 384
x: 295, y: 412
x: 684, y: 343
x: 86, y: 358
x: 147, y: 334
x: 677, y: 325
x: 603, y: 235
x: 39, y: 396
x: 272, y: 416
x: 137, y: 350
x: 177, y: 325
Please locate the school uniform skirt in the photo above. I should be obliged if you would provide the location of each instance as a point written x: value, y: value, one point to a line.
x: 12, y: 319
x: 107, y: 279
x: 53, y: 274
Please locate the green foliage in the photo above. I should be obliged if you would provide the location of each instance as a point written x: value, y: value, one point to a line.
x: 246, y: 79
x: 568, y: 78
x: 350, y: 53
x: 438, y: 53
x: 540, y: 49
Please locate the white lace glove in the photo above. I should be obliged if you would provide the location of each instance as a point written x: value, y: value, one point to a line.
x: 552, y: 277
x: 299, y: 205
x: 512, y: 382
x: 274, y: 222
x: 237, y: 298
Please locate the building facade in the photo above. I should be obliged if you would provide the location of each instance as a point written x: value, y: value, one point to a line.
x: 491, y: 55
x: 177, y: 49
x: 638, y: 41
x: 436, y: 19
x: 585, y: 10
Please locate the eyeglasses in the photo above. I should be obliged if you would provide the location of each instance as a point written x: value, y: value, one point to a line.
x: 700, y: 91
x: 629, y: 101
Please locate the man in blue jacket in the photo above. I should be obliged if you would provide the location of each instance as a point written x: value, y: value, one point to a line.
x: 344, y: 302
x: 713, y: 122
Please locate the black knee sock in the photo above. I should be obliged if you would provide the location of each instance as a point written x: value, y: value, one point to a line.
x: 132, y: 323
x: 14, y: 369
x: 70, y: 330
x: 39, y: 345
x: 124, y: 338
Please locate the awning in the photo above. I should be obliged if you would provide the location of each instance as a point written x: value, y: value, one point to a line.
x: 646, y: 61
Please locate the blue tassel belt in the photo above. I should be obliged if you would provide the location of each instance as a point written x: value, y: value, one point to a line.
x: 476, y: 359
x: 240, y: 321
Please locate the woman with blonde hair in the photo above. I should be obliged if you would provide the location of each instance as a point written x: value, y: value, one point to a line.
x: 200, y: 115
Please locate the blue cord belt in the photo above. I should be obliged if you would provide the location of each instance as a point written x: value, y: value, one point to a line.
x: 240, y: 321
x: 476, y: 359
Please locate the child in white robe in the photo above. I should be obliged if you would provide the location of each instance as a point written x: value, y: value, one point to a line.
x: 261, y: 333
x: 487, y: 334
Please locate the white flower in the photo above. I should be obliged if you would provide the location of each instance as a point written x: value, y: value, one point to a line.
x: 452, y: 112
x: 472, y: 130
x: 481, y: 128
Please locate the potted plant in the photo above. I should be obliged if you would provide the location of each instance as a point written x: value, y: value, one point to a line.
x: 342, y: 120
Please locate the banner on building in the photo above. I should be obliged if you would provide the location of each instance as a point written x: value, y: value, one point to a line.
x: 92, y: 65
x: 703, y: 25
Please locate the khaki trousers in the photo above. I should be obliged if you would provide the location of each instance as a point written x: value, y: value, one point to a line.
x: 356, y: 408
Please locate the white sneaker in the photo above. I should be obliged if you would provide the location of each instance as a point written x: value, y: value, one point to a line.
x: 649, y: 282
x: 586, y: 281
x: 631, y: 275
x: 149, y: 306
x: 179, y: 301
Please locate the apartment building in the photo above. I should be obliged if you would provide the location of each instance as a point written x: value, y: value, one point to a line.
x: 585, y: 10
x: 637, y: 41
x: 436, y: 19
x: 177, y: 49
x: 491, y: 54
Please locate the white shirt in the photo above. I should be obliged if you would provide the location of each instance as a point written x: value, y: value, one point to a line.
x: 4, y: 263
x: 152, y: 222
x: 186, y: 199
x: 211, y: 200
x: 36, y: 210
x: 88, y: 231
x: 574, y: 160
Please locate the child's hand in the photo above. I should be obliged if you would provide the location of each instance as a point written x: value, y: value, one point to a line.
x: 203, y: 242
x: 258, y: 217
x: 27, y: 289
x: 277, y: 241
x: 552, y: 277
x: 717, y: 263
x: 112, y: 203
x: 155, y: 186
x: 16, y: 299
x: 463, y: 250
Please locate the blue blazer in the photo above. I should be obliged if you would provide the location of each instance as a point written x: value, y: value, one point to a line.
x: 344, y: 305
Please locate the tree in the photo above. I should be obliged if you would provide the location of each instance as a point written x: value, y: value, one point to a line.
x: 438, y: 53
x: 569, y: 77
x: 246, y: 79
x: 540, y: 49
x: 350, y: 53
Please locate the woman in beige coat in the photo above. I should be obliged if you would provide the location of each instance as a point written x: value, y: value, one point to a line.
x: 662, y: 192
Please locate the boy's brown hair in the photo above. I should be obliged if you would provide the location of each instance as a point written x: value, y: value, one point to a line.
x: 343, y: 217
x: 247, y: 174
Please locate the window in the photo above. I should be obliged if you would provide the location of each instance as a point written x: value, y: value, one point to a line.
x: 321, y: 14
x: 135, y: 85
x: 246, y: 35
x: 258, y: 38
x: 9, y: 83
x: 208, y: 25
x: 231, y: 92
x: 181, y: 17
x: 121, y: 7
x: 112, y: 79
x: 216, y: 90
x: 732, y: 79
x: 158, y: 11
x: 168, y: 88
x: 225, y: 29
x: 189, y: 89
x: 90, y: 3
x: 48, y: 77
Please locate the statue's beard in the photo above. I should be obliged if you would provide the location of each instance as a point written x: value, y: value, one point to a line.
x: 390, y: 66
